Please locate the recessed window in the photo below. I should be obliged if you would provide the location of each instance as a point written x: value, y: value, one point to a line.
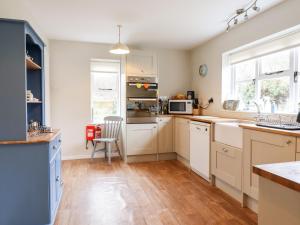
x: 270, y: 80
x: 105, y: 89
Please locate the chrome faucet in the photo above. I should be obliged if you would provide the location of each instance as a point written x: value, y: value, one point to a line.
x: 258, y: 110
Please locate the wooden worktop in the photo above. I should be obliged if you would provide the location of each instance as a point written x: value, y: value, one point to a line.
x: 294, y: 133
x: 286, y: 174
x: 204, y: 119
x: 41, y: 138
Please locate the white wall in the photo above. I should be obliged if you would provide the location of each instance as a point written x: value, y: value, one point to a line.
x: 70, y: 86
x: 174, y: 72
x: 276, y: 19
x: 14, y: 9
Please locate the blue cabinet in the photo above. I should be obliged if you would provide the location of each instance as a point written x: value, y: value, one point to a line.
x: 56, y: 182
x: 31, y: 184
x: 30, y: 171
x: 17, y: 75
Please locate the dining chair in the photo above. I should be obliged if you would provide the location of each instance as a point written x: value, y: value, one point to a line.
x: 110, y: 135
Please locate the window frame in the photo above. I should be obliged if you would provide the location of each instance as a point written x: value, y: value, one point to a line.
x: 294, y: 89
x: 91, y: 86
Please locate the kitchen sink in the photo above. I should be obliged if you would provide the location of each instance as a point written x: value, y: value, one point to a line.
x: 229, y: 133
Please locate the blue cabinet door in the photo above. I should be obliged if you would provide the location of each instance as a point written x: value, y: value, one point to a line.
x: 52, y: 187
x: 58, y: 176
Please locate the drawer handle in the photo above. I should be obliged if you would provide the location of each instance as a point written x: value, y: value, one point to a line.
x: 59, y: 140
x: 289, y: 142
x: 54, y: 147
x: 225, y: 150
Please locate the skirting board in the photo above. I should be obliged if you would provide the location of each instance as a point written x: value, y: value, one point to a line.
x: 184, y: 161
x: 151, y: 157
x: 237, y: 195
x: 74, y: 157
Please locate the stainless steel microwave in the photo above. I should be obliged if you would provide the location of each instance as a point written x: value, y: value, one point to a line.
x: 181, y: 106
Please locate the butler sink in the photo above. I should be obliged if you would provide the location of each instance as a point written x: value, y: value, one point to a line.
x: 229, y: 133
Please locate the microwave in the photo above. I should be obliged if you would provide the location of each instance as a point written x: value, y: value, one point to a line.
x: 181, y: 106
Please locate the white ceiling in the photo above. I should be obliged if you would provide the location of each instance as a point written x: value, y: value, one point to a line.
x: 178, y: 24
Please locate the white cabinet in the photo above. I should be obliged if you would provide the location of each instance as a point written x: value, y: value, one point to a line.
x: 182, y: 137
x: 226, y: 164
x: 141, y: 63
x: 264, y: 148
x: 165, y: 135
x: 141, y: 139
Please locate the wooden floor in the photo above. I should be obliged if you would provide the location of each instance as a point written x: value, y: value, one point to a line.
x: 143, y: 193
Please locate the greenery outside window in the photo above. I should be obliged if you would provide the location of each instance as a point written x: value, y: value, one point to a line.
x: 270, y: 80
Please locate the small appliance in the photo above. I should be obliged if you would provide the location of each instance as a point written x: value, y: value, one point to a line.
x: 181, y: 106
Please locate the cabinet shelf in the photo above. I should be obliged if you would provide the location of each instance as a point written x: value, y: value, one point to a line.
x: 32, y: 65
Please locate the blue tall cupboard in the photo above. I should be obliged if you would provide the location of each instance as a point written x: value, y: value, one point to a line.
x: 30, y: 166
x: 18, y: 73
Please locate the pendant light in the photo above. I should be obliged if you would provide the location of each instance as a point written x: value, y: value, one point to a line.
x: 120, y: 48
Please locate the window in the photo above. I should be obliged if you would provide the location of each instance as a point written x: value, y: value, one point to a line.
x: 269, y: 80
x: 105, y: 89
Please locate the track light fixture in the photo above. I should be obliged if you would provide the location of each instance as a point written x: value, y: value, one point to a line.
x: 234, y: 20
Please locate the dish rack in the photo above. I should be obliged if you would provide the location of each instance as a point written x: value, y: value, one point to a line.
x: 278, y: 122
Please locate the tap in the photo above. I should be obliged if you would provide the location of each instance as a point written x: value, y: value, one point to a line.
x: 258, y: 110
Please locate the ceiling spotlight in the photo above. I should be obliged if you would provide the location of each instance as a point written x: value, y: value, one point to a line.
x: 256, y: 8
x: 240, y: 11
x: 242, y: 14
x: 228, y: 28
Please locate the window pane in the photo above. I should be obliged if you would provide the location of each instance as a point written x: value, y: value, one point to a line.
x: 105, y: 85
x: 104, y: 91
x: 245, y: 70
x: 279, y: 61
x: 274, y: 94
x: 246, y: 95
x: 102, y: 109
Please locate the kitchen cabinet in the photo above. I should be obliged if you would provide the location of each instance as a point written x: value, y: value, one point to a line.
x: 141, y: 139
x: 264, y: 148
x: 33, y: 181
x: 20, y: 73
x: 141, y: 63
x: 226, y: 164
x: 298, y: 157
x: 165, y: 135
x: 298, y: 145
x: 182, y: 137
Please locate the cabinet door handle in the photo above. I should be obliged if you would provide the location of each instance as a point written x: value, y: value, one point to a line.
x: 289, y: 142
x: 57, y: 178
x: 59, y: 140
x: 225, y: 150
x: 54, y: 147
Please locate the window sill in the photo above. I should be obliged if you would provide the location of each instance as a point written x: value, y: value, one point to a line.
x: 255, y: 113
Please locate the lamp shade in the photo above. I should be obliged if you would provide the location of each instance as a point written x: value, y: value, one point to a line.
x: 120, y: 49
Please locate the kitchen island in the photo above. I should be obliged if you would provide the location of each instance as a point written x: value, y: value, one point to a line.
x: 279, y: 193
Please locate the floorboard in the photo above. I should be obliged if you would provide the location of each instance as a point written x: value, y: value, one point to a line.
x: 156, y: 193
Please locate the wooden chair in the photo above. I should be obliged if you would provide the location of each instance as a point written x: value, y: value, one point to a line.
x: 110, y: 134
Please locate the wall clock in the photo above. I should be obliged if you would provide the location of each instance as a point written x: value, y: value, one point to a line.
x: 203, y: 70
